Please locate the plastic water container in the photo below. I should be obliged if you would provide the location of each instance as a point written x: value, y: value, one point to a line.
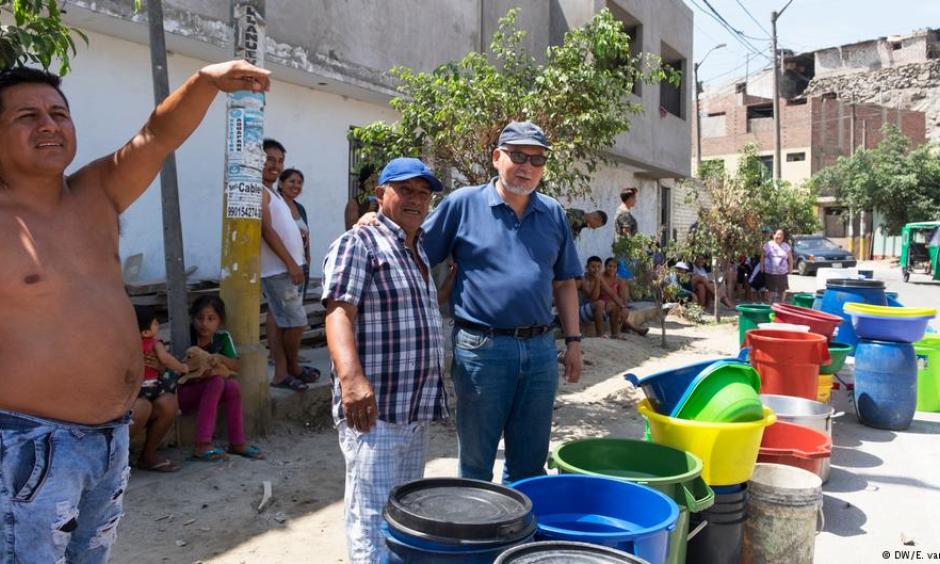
x: 844, y: 291
x: 606, y: 511
x: 673, y: 472
x: 885, y: 384
x: 452, y: 520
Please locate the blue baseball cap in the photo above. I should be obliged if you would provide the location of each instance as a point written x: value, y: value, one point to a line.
x: 404, y: 168
x: 523, y: 133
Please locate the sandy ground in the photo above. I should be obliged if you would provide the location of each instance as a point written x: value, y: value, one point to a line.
x: 208, y: 512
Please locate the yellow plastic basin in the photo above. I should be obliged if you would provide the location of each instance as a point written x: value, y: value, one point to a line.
x: 728, y: 450
x: 825, y: 388
x: 888, y: 311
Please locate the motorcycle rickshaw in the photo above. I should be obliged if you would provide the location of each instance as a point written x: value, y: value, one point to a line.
x: 920, y: 247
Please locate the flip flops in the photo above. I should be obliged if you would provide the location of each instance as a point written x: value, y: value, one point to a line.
x: 308, y: 375
x: 164, y: 467
x: 291, y: 383
x: 211, y: 455
x: 252, y: 452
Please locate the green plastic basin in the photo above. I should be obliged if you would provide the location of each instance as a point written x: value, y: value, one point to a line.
x: 729, y: 393
x: 837, y: 353
x: 751, y: 316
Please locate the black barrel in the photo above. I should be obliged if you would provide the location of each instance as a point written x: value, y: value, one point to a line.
x: 719, y: 540
x: 455, y: 520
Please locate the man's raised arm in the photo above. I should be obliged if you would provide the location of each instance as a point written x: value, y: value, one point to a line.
x: 127, y: 172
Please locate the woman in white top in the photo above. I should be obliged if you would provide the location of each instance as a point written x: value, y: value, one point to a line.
x: 290, y: 185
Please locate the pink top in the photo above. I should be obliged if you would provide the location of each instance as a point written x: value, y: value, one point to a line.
x: 776, y: 259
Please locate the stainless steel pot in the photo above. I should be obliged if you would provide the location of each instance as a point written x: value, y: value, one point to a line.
x: 808, y: 413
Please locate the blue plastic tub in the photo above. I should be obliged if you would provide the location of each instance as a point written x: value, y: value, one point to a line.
x: 605, y: 511
x: 840, y: 292
x: 896, y: 329
x: 892, y: 299
x: 885, y: 384
x: 666, y: 389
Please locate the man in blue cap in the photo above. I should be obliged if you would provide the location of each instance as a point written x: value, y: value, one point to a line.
x: 513, y: 250
x: 385, y: 336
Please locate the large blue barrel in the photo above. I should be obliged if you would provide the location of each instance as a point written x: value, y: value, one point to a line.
x: 844, y: 291
x: 452, y: 520
x: 885, y: 384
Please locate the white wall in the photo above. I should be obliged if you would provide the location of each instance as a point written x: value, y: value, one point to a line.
x: 111, y: 95
x: 605, y: 195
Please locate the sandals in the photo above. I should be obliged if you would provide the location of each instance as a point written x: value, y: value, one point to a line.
x: 291, y: 383
x: 308, y: 375
x: 252, y: 453
x: 165, y: 467
x: 211, y: 455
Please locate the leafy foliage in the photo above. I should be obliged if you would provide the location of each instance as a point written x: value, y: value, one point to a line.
x: 454, y: 114
x: 903, y: 184
x: 38, y: 35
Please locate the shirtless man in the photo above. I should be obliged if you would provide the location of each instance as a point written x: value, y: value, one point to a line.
x: 70, y: 357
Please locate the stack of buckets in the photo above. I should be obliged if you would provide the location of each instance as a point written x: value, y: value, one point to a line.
x: 886, y: 366
x: 709, y: 412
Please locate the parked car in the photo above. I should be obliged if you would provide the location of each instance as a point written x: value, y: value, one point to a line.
x: 812, y: 252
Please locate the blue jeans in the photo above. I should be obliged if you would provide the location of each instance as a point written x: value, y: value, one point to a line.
x: 505, y: 387
x: 61, y: 489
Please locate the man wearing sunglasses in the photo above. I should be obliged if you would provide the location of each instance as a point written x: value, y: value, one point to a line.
x: 514, y: 250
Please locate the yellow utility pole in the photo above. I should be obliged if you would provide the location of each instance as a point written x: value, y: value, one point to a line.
x: 241, y: 221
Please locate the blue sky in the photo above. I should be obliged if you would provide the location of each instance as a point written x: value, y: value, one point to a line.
x: 805, y: 25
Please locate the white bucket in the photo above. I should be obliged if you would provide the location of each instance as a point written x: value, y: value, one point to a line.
x: 784, y: 327
x: 826, y: 273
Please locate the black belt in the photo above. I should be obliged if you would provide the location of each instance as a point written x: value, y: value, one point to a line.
x: 517, y: 332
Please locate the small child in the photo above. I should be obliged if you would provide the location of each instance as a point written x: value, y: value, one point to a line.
x: 154, y: 386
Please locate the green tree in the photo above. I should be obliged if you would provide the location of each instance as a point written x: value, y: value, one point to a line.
x: 903, y: 184
x: 453, y: 115
x: 734, y: 208
x: 38, y: 35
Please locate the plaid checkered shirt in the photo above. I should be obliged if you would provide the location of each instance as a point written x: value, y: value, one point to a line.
x: 398, y: 330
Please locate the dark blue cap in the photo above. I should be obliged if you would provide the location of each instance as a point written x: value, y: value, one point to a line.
x: 403, y: 168
x: 523, y: 133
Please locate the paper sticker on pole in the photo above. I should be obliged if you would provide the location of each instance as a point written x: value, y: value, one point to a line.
x: 243, y: 199
x: 249, y: 34
x: 245, y: 133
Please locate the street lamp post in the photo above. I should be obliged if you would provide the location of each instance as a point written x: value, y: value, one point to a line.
x: 698, y: 110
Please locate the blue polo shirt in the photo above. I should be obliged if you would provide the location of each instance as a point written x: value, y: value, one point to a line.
x: 505, y: 264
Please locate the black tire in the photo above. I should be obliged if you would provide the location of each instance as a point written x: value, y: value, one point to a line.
x: 905, y: 274
x: 802, y: 268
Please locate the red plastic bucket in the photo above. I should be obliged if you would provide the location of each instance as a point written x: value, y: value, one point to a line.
x: 788, y: 362
x: 819, y: 322
x: 795, y: 445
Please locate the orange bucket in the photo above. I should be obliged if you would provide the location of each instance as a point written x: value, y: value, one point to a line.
x: 788, y: 362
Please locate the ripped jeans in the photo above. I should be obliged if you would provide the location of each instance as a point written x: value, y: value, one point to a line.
x: 61, y: 489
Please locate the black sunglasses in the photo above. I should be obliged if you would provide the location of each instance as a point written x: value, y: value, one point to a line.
x: 519, y: 157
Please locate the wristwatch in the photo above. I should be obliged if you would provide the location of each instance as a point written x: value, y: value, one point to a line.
x: 573, y: 339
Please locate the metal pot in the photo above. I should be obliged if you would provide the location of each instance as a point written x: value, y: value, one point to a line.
x: 808, y: 413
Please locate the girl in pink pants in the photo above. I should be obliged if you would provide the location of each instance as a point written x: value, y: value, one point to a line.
x: 204, y: 395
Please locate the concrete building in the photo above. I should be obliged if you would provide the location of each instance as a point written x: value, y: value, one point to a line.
x: 329, y: 61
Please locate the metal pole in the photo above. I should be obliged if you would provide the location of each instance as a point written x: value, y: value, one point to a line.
x: 698, y: 123
x: 240, y: 277
x: 169, y: 195
x: 776, y: 87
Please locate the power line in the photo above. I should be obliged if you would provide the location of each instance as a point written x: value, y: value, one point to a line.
x: 728, y: 24
x: 734, y: 33
x: 750, y: 15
